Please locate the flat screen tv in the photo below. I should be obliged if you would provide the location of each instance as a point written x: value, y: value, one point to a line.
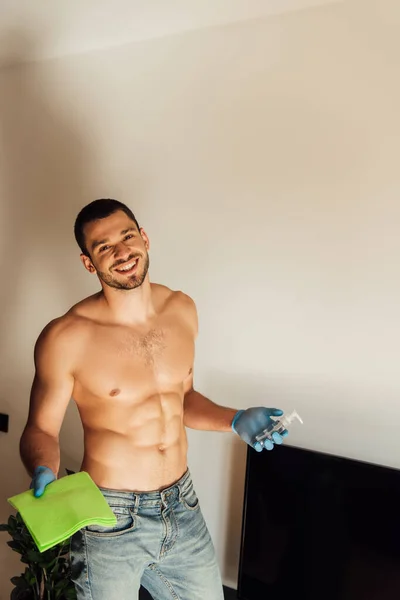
x: 319, y: 527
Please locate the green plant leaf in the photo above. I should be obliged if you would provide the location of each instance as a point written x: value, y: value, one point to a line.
x: 12, y: 523
x: 34, y: 556
x: 62, y: 584
x: 47, y: 565
x: 16, y: 546
x: 49, y: 571
x: 30, y: 577
x: 18, y: 594
x: 25, y: 560
x: 69, y: 594
x: 19, y: 582
x: 59, y: 567
x: 64, y: 548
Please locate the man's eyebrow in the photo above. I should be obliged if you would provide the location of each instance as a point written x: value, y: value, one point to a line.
x: 100, y: 242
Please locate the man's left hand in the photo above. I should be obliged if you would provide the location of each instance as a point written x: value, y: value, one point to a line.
x: 250, y: 423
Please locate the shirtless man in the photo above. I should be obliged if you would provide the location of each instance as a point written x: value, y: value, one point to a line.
x: 125, y: 355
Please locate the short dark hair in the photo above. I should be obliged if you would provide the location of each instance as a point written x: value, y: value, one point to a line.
x: 98, y: 209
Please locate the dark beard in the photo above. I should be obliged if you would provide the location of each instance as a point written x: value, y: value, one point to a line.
x: 133, y: 282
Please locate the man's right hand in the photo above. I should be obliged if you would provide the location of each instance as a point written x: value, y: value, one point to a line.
x: 42, y: 476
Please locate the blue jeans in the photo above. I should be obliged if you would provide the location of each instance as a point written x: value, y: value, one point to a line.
x: 160, y: 541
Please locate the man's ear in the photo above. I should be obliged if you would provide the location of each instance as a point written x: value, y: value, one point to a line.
x: 145, y: 238
x: 87, y: 263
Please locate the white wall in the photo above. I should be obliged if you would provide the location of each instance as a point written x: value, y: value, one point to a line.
x: 262, y: 159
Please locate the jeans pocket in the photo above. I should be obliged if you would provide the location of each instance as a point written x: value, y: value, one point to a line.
x: 189, y: 498
x: 125, y: 522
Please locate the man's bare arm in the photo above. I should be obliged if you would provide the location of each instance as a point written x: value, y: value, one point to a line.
x: 51, y: 392
x: 198, y: 411
x: 201, y: 413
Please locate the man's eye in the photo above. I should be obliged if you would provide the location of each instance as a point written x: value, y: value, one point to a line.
x: 129, y: 236
x: 103, y: 248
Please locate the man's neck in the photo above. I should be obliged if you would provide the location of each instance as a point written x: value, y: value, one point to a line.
x: 129, y: 307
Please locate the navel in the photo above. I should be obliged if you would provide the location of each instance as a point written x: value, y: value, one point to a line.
x: 115, y: 392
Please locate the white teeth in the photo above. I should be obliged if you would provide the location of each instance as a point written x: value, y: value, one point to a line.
x: 128, y: 267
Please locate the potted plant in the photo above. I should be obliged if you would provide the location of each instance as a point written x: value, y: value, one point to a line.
x: 47, y: 574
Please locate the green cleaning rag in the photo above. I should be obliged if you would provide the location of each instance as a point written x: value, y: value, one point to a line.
x: 67, y: 505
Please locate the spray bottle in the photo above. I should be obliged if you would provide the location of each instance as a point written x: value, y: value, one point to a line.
x: 279, y: 425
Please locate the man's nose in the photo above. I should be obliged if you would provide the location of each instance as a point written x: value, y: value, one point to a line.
x: 121, y: 250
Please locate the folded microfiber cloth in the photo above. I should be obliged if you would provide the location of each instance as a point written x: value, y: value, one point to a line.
x: 67, y: 505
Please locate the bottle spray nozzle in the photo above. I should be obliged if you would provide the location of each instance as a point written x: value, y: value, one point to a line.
x: 279, y: 425
x: 287, y: 420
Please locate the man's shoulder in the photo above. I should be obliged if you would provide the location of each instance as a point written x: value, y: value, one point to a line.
x: 177, y: 302
x: 57, y: 331
x: 64, y: 329
x: 176, y: 298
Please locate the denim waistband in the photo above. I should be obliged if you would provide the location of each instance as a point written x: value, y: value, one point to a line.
x: 146, y: 499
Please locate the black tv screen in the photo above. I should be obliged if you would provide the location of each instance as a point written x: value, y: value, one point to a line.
x: 319, y: 527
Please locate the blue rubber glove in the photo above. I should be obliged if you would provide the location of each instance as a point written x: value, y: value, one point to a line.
x: 251, y: 422
x: 42, y: 476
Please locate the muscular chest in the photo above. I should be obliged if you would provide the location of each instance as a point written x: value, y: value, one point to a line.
x: 124, y: 363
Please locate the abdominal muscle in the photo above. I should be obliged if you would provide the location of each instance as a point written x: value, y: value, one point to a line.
x: 134, y: 445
